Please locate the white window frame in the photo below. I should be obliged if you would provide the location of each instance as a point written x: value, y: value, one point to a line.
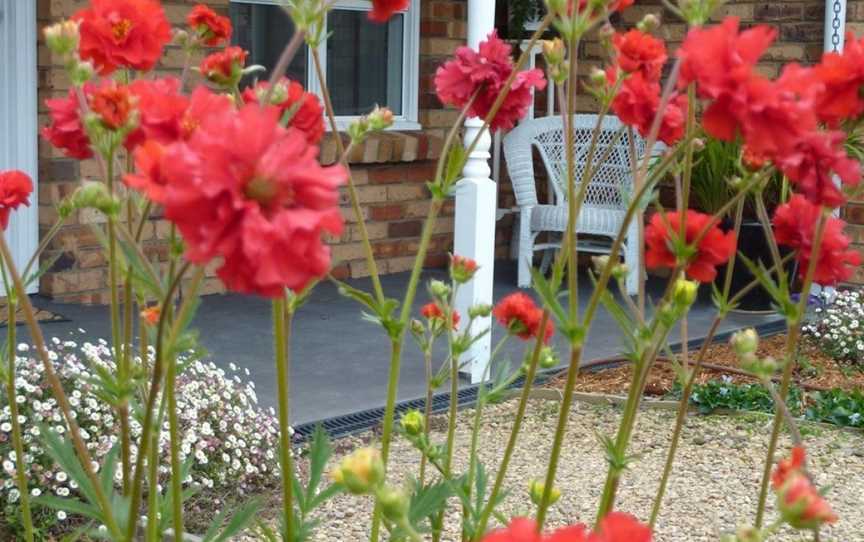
x: 409, y: 118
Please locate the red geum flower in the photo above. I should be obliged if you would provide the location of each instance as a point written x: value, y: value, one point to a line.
x: 638, y: 101
x: 262, y: 206
x: 303, y: 108
x: 151, y: 315
x: 113, y: 104
x: 842, y: 76
x: 148, y: 165
x: 484, y: 72
x: 382, y: 10
x: 66, y: 131
x: 664, y: 246
x: 518, y: 313
x: 462, y: 269
x: 719, y: 58
x: 811, y: 163
x: 435, y: 314
x: 787, y: 466
x: 637, y: 51
x: 161, y: 107
x: 15, y: 189
x: 212, y: 29
x: 795, y: 227
x: 615, y: 527
x: 225, y: 67
x: 799, y: 502
x: 202, y: 104
x: 123, y: 33
x: 612, y: 7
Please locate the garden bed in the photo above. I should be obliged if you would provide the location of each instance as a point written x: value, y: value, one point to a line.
x: 712, y: 491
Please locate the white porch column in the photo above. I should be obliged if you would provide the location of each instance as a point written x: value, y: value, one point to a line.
x: 476, y: 204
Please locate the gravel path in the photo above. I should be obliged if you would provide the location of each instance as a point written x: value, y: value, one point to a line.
x: 713, y: 489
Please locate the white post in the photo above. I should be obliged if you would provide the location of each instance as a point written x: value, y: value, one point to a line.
x: 476, y: 204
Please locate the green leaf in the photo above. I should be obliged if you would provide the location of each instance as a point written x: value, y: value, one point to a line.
x: 68, y: 505
x: 62, y: 452
x: 325, y: 495
x: 109, y: 467
x: 238, y: 522
x: 319, y: 453
x: 455, y: 163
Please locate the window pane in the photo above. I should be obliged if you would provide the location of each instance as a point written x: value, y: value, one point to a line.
x: 264, y: 31
x: 364, y: 62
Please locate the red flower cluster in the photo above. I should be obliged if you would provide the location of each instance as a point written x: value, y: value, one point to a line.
x: 664, y: 246
x: 123, y: 33
x: 15, y: 190
x: 224, y: 68
x: 382, y: 10
x: 518, y: 313
x: 799, y: 501
x: 113, y: 104
x: 211, y: 28
x: 66, y: 131
x: 615, y: 527
x: 795, y: 227
x: 462, y: 269
x: 484, y: 73
x: 639, y: 59
x: 778, y: 120
x: 261, y: 206
x: 303, y: 108
x: 435, y: 314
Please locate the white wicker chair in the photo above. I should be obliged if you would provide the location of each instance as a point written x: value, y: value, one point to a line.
x: 606, y: 198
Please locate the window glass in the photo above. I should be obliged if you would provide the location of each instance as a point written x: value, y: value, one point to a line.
x: 364, y: 62
x: 264, y: 30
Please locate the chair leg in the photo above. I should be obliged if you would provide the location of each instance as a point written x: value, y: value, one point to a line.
x: 526, y: 248
x: 631, y: 258
x: 514, y: 237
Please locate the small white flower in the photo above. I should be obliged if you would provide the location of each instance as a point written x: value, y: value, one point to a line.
x: 61, y: 515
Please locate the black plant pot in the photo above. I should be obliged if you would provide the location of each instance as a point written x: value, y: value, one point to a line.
x: 753, y: 244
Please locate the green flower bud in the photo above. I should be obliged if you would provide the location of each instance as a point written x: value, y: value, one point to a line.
x: 536, y: 489
x: 649, y: 23
x: 62, y: 38
x: 599, y: 263
x: 548, y: 358
x: 620, y: 271
x: 417, y: 327
x: 380, y: 118
x: 80, y: 72
x: 394, y: 503
x: 684, y: 292
x: 439, y: 290
x: 462, y: 269
x: 745, y: 342
x: 360, y: 472
x: 413, y: 422
x: 598, y: 77
x: 91, y: 196
x: 479, y: 311
x: 358, y: 130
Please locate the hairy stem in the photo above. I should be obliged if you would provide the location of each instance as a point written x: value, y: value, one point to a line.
x: 282, y: 317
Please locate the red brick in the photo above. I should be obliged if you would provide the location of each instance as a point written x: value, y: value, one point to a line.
x: 385, y: 212
x: 411, y: 228
x: 417, y: 173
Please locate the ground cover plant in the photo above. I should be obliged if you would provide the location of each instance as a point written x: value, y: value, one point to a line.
x: 259, y: 213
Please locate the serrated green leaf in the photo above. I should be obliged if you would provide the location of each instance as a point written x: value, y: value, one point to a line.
x: 238, y: 522
x: 319, y: 453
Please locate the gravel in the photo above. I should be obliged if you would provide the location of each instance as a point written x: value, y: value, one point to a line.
x: 713, y: 489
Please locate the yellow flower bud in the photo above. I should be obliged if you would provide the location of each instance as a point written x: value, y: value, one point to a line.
x: 360, y: 472
x: 536, y: 489
x: 413, y: 422
x: 684, y: 292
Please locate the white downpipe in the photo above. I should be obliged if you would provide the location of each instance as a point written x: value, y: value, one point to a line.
x: 476, y: 205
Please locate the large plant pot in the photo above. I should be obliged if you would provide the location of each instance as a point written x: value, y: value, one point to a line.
x: 753, y: 244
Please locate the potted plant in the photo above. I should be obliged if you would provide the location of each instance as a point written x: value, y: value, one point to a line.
x: 715, y: 164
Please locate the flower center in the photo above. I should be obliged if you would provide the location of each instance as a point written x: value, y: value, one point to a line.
x: 121, y: 30
x: 264, y: 191
x: 188, y: 125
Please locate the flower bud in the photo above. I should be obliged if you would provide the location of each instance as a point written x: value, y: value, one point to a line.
x: 394, y: 503
x: 801, y: 505
x: 417, y: 327
x: 554, y: 51
x: 380, y: 118
x: 548, y: 358
x: 62, y: 38
x: 358, y: 130
x: 462, y: 269
x: 536, y: 489
x: 360, y: 472
x: 620, y: 271
x: 479, y: 311
x: 151, y: 315
x: 763, y: 368
x: 698, y: 144
x: 413, y: 422
x: 80, y: 72
x: 91, y: 196
x: 649, y: 23
x: 684, y: 292
x: 439, y: 290
x: 745, y: 342
x: 599, y: 263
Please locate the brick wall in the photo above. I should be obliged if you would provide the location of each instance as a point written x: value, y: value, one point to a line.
x: 390, y: 170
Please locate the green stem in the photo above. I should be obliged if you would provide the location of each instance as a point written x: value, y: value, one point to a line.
x: 486, y: 514
x: 282, y: 317
x: 174, y: 438
x: 454, y: 386
x: 427, y: 407
x: 17, y: 442
x: 84, y: 457
x: 794, y: 331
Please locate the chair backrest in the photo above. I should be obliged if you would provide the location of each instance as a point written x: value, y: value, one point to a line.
x: 612, y: 182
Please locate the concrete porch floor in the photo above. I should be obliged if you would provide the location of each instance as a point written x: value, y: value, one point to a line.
x: 339, y: 362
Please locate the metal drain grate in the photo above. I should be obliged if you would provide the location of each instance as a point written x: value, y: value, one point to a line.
x: 357, y: 422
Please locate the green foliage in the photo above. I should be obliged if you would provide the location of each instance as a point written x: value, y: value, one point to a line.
x: 713, y: 165
x: 838, y: 407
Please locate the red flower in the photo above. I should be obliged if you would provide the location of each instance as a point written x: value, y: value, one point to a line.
x: 148, y: 164
x: 811, y: 162
x: 213, y: 29
x: 638, y: 101
x: 151, y: 315
x: 15, y: 190
x: 842, y: 76
x: 382, y: 10
x: 486, y: 71
x: 66, y: 131
x: 663, y: 245
x: 462, y: 269
x: 518, y: 313
x: 123, y: 33
x: 433, y: 312
x: 113, y: 104
x: 799, y: 502
x: 640, y: 52
x: 262, y: 205
x: 795, y: 227
x: 202, y: 104
x: 720, y: 58
x: 303, y: 108
x: 161, y: 108
x: 786, y: 467
x: 615, y: 527
x: 224, y: 68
